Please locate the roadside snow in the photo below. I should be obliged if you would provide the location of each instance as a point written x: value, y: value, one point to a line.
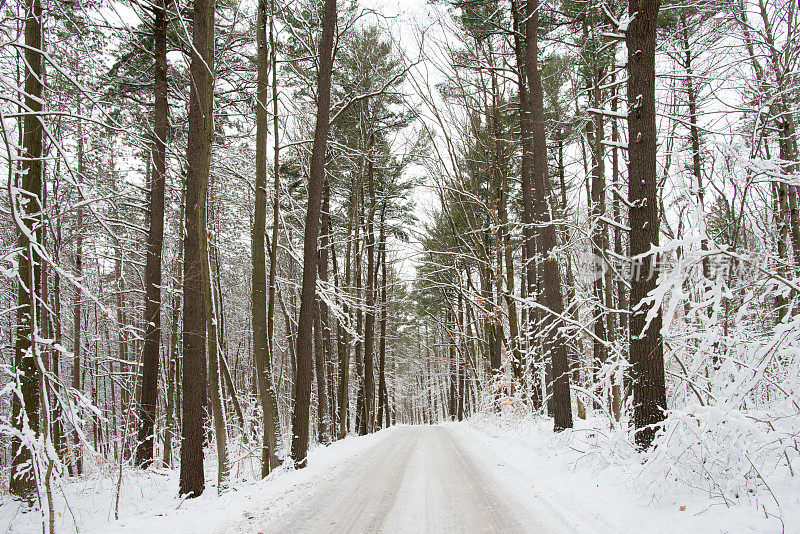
x: 149, y: 499
x: 565, y: 471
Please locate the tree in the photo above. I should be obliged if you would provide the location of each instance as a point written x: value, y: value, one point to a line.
x: 261, y: 352
x: 316, y: 179
x: 28, y: 208
x: 526, y: 172
x: 554, y: 343
x: 155, y: 240
x: 198, y: 156
x: 646, y: 343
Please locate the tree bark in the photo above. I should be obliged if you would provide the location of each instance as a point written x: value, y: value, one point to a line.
x: 169, y: 422
x: 646, y: 344
x: 308, y: 293
x: 383, y: 398
x: 622, y: 304
x: 214, y: 349
x: 361, y: 426
x: 198, y: 156
x: 528, y: 241
x: 343, y: 336
x: 322, y: 325
x: 369, y: 314
x: 595, y: 133
x: 155, y: 240
x: 76, y: 448
x: 263, y: 311
x: 554, y: 342
x: 25, y: 414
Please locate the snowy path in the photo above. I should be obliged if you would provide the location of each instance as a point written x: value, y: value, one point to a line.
x: 478, y: 476
x: 423, y: 479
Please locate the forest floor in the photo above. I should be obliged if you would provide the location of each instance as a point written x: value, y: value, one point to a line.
x: 489, y: 474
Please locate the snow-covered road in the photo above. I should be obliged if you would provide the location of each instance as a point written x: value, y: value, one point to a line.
x: 484, y: 475
x: 423, y: 479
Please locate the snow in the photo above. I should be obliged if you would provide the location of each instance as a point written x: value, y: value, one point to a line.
x: 587, y: 472
x: 588, y: 479
x: 149, y: 499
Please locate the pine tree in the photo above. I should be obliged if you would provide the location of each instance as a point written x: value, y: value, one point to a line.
x: 198, y: 156
x: 305, y: 323
x: 646, y: 343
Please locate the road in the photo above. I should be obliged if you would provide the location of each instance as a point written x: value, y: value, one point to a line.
x: 421, y: 480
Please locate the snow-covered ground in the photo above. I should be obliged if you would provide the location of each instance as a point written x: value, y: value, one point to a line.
x: 149, y: 500
x: 579, y: 477
x: 484, y: 475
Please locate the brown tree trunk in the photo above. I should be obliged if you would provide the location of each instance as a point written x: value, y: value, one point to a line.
x: 198, y: 157
x: 383, y: 398
x: 322, y: 325
x: 155, y: 240
x: 169, y: 422
x: 76, y: 448
x: 361, y: 426
x: 622, y: 304
x: 262, y: 316
x: 646, y: 344
x: 214, y: 348
x: 305, y: 322
x: 595, y: 130
x: 343, y: 337
x: 529, y: 244
x: 369, y: 314
x: 551, y: 298
x: 22, y: 479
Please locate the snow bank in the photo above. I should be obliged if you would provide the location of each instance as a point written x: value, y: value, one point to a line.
x: 709, y: 473
x: 149, y: 499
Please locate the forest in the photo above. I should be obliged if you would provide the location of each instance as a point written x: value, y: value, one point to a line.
x: 247, y: 243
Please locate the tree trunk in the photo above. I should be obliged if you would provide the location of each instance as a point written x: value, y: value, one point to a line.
x: 214, y: 349
x: 169, y: 422
x: 529, y: 244
x: 155, y: 240
x: 369, y: 314
x: 343, y: 337
x: 25, y: 414
x: 322, y: 325
x: 554, y: 342
x: 76, y: 448
x: 263, y: 311
x: 622, y: 304
x: 595, y: 130
x: 307, y: 300
x: 198, y: 157
x: 361, y: 426
x: 58, y: 424
x: 646, y: 344
x: 325, y: 254
x: 383, y: 399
